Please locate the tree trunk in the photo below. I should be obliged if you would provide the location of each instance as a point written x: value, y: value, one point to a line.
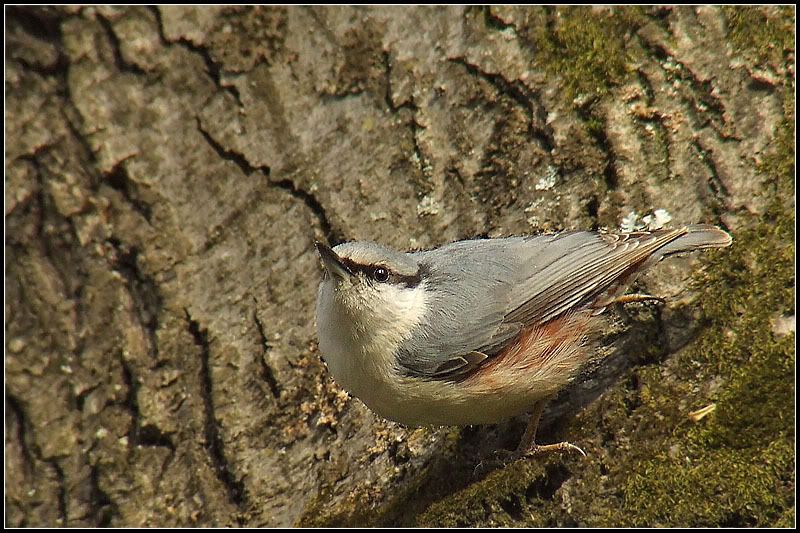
x: 168, y: 170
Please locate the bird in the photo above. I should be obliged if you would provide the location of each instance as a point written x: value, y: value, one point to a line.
x: 483, y: 330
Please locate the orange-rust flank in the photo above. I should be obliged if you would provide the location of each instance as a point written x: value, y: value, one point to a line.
x: 548, y: 353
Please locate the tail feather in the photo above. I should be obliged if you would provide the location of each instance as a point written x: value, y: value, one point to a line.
x: 593, y: 269
x: 693, y: 237
x: 697, y: 237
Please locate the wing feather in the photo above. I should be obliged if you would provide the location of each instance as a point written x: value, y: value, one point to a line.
x: 483, y: 293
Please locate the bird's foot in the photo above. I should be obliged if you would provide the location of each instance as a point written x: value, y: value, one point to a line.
x: 543, y: 449
x: 501, y: 458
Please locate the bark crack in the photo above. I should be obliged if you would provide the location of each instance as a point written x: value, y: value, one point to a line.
x: 598, y: 133
x: 52, y: 243
x: 214, y: 70
x: 41, y: 23
x: 715, y: 185
x: 395, y: 108
x: 424, y: 164
x: 231, y: 155
x: 22, y: 422
x: 707, y: 110
x: 103, y: 508
x: 142, y: 288
x: 123, y: 65
x: 62, y: 490
x: 286, y: 184
x: 266, y: 371
x: 419, y: 158
x: 213, y: 441
x: 141, y: 434
x: 32, y: 453
x: 119, y: 180
x: 655, y: 118
x: 523, y: 96
x: 331, y: 233
x: 495, y: 22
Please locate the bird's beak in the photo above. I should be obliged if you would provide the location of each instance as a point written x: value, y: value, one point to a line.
x: 332, y: 262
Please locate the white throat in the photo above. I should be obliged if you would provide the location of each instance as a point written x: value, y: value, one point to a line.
x: 360, y: 331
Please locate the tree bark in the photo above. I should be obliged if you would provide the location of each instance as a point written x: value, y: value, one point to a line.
x: 168, y: 170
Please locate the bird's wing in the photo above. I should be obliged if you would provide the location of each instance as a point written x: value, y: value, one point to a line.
x: 486, y: 292
x: 587, y: 265
x: 591, y: 265
x: 468, y: 288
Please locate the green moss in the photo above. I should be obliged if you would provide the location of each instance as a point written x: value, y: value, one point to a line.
x: 737, y: 466
x: 760, y: 33
x: 723, y: 487
x: 498, y: 500
x: 586, y: 47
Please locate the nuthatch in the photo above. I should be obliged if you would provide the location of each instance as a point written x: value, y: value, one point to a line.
x: 479, y: 331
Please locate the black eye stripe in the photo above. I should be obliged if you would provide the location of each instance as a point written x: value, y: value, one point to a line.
x: 370, y: 272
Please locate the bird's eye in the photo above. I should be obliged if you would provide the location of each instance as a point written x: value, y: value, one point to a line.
x: 381, y: 274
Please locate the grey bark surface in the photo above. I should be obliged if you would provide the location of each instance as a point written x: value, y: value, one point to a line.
x: 168, y: 170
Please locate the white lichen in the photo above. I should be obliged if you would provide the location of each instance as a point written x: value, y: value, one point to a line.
x: 630, y: 222
x: 428, y: 206
x: 657, y: 220
x: 534, y: 206
x: 547, y: 181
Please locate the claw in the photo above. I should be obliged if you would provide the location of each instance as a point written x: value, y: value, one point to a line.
x: 502, y: 458
x: 562, y: 447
